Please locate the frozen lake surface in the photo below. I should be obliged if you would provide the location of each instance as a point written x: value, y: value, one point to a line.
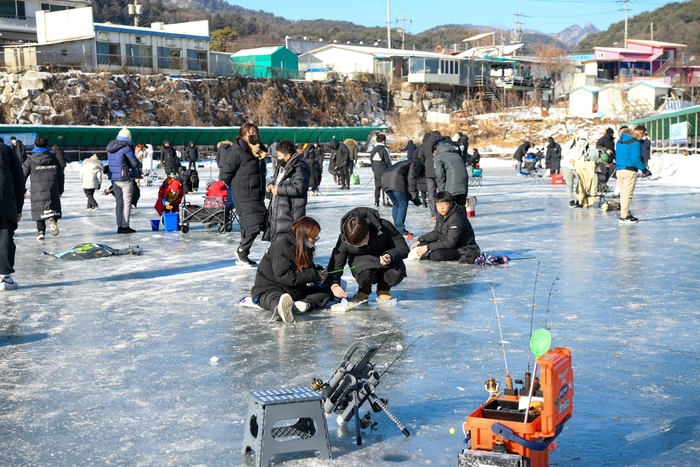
x: 107, y: 362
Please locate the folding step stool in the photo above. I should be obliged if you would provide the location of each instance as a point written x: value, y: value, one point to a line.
x: 301, y: 406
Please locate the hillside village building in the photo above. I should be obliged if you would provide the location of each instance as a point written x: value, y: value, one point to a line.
x: 18, y: 17
x: 70, y: 39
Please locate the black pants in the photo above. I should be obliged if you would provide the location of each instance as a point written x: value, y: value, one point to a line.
x: 7, y: 246
x: 344, y: 176
x: 192, y: 165
x: 378, y: 190
x: 90, y: 193
x: 41, y: 224
x: 460, y: 199
x: 445, y: 255
x: 385, y: 278
x: 247, y: 239
x: 317, y: 297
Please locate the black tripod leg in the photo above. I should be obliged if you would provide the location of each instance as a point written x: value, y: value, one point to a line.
x: 356, y: 410
x: 385, y: 409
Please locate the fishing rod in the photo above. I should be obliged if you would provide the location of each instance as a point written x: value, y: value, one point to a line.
x: 390, y: 334
x: 339, y: 270
x: 532, y: 316
x: 546, y: 316
x: 509, y: 380
x: 399, y: 356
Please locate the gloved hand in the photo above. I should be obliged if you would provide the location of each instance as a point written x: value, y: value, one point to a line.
x: 646, y: 173
x: 416, y: 201
x: 165, y: 202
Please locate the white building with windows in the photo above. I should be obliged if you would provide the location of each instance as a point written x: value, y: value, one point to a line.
x: 18, y: 17
x: 70, y: 39
x: 413, y: 65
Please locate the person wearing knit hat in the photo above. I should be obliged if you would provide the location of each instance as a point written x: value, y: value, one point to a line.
x: 123, y: 167
x: 124, y: 133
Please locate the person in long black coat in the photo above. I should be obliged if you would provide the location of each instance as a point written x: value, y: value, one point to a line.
x: 410, y: 149
x: 169, y: 159
x: 192, y: 155
x: 315, y: 163
x: 20, y: 150
x: 375, y: 251
x: 340, y: 160
x: 11, y: 203
x: 47, y: 182
x: 552, y: 157
x: 286, y: 270
x: 243, y: 170
x: 519, y: 154
x: 289, y: 191
x: 426, y: 155
x: 381, y: 160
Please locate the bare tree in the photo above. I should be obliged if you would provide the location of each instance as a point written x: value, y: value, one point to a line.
x: 552, y: 67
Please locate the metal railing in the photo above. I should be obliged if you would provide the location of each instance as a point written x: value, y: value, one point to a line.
x: 26, y: 22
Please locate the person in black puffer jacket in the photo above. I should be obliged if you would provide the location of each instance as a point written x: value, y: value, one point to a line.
x: 315, y: 167
x: 381, y: 160
x: 11, y: 202
x: 289, y: 191
x: 374, y: 249
x: 243, y: 170
x: 451, y: 172
x: 169, y: 160
x: 401, y: 184
x: 192, y: 155
x: 340, y: 160
x: 47, y: 181
x: 452, y: 238
x: 20, y: 150
x: 286, y: 269
x: 427, y: 156
x: 519, y: 154
x: 553, y: 156
x: 221, y: 149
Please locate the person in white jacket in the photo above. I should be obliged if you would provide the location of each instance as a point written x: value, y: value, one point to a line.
x: 146, y: 157
x: 91, y: 175
x: 574, y: 151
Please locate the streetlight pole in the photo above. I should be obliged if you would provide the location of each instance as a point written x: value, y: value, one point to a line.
x: 388, y: 24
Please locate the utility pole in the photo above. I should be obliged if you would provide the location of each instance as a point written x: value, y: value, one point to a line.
x: 627, y: 8
x: 388, y: 24
x: 652, y: 30
x: 136, y: 10
x: 403, y: 28
x: 518, y: 30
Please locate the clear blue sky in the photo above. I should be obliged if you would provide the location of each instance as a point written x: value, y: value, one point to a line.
x: 549, y: 16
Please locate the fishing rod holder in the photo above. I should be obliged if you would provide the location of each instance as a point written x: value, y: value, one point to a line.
x: 352, y: 384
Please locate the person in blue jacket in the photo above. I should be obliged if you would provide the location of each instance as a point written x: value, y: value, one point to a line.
x: 123, y: 167
x: 629, y: 160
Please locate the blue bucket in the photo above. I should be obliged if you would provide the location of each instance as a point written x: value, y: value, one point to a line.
x: 155, y: 224
x: 170, y: 222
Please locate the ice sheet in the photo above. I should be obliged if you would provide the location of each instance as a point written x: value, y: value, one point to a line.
x: 109, y: 361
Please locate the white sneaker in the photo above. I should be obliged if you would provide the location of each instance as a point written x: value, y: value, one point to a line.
x: 7, y: 283
x: 301, y: 307
x: 284, y: 308
x: 40, y: 236
x: 54, y: 227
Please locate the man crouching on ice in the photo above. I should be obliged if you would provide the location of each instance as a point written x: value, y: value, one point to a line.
x: 375, y: 251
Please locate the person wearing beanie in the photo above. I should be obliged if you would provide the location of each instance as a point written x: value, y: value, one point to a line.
x: 629, y: 157
x: 606, y: 144
x: 91, y: 175
x: 46, y: 186
x: 340, y: 159
x: 123, y: 167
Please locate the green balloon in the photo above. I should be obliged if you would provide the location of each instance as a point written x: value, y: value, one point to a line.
x: 540, y: 341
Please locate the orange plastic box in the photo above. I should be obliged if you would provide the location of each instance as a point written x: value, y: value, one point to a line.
x: 557, y: 179
x: 557, y: 386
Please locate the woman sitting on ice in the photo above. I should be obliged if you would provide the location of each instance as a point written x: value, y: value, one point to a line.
x: 285, y: 272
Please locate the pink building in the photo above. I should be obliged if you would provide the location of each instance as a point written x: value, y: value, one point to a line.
x: 644, y: 59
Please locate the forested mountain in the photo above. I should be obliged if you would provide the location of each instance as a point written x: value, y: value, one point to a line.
x: 259, y: 28
x: 675, y: 22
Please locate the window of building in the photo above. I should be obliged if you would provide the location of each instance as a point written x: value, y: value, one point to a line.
x: 50, y: 7
x: 139, y: 55
x: 432, y: 65
x: 169, y: 58
x: 196, y: 60
x: 12, y: 9
x: 108, y: 54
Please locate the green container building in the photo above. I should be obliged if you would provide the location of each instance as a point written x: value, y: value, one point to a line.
x: 266, y: 62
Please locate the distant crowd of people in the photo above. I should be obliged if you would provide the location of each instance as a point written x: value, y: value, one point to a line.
x: 587, y: 168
